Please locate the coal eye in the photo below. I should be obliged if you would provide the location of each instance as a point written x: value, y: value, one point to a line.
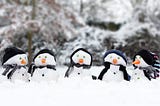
x: 77, y: 55
x: 140, y: 57
x: 110, y: 56
x: 84, y: 56
x: 118, y: 57
x: 39, y: 56
x: 20, y: 58
x: 45, y: 56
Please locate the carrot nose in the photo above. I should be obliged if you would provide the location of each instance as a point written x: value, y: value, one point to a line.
x: 23, y: 62
x: 81, y: 61
x: 43, y: 61
x: 136, y: 62
x: 115, y: 61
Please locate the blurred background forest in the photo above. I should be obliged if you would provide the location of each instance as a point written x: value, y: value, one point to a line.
x: 64, y: 25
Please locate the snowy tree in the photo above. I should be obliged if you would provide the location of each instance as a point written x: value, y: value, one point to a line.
x: 142, y: 40
x: 63, y: 25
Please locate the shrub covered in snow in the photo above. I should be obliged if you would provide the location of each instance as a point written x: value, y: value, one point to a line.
x: 63, y: 25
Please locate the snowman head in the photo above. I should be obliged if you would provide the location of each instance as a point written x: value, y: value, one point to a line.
x: 115, y: 57
x: 14, y: 55
x: 81, y: 57
x: 44, y: 57
x: 143, y: 59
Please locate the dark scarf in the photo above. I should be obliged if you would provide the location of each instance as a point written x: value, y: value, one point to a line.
x: 150, y: 72
x: 33, y: 67
x: 10, y: 69
x: 122, y: 68
x: 70, y: 68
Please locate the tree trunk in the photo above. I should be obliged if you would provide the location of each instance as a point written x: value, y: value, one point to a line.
x: 81, y: 6
x: 30, y: 33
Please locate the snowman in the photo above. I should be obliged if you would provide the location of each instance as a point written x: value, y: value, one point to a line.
x: 15, y: 64
x: 143, y: 62
x: 43, y: 67
x: 81, y: 61
x: 115, y: 67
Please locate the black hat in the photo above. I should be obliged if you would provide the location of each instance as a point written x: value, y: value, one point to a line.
x: 10, y: 52
x: 146, y: 55
x: 44, y: 51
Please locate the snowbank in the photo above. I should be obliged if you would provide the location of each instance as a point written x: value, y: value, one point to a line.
x: 84, y: 92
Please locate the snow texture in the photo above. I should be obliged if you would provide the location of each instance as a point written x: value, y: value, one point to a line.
x: 80, y: 92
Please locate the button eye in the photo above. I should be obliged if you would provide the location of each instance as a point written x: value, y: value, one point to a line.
x: 77, y: 55
x: 118, y: 57
x: 84, y: 56
x: 39, y: 56
x: 45, y: 57
x: 20, y: 58
x: 110, y: 57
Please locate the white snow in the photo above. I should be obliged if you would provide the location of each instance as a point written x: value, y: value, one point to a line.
x: 80, y: 92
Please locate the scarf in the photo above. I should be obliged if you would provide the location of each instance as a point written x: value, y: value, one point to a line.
x: 10, y: 69
x: 33, y: 67
x: 70, y: 68
x: 150, y: 72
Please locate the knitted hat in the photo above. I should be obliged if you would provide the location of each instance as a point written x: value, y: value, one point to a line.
x: 146, y: 55
x: 44, y: 51
x: 10, y: 52
x: 116, y: 52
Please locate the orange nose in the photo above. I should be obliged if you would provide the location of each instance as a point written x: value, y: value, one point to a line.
x: 115, y: 61
x: 23, y: 62
x: 43, y: 61
x: 81, y: 61
x: 136, y: 62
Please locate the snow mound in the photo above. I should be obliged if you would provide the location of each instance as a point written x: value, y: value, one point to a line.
x: 80, y: 92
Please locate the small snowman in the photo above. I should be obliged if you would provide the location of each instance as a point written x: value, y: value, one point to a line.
x: 80, y: 62
x: 43, y: 67
x: 15, y: 64
x: 143, y: 62
x: 115, y: 67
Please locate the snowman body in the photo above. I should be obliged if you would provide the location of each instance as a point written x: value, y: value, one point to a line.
x: 113, y: 74
x: 80, y: 72
x: 45, y: 74
x: 138, y: 74
x: 21, y: 74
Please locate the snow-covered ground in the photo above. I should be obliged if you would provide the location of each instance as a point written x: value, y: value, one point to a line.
x: 80, y: 92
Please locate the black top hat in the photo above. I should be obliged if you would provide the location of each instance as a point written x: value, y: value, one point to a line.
x: 10, y: 52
